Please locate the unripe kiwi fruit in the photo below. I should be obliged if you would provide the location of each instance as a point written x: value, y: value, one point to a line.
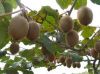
x: 93, y: 53
x: 97, y: 46
x: 66, y: 23
x: 33, y: 32
x: 18, y: 27
x: 14, y: 48
x: 72, y: 38
x: 85, y: 15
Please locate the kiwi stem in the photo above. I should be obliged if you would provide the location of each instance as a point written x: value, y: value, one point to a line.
x: 70, y: 11
x: 11, y: 12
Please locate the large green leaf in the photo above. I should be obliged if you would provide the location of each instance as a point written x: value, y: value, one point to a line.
x: 80, y: 3
x: 4, y: 38
x: 8, y: 7
x: 13, y: 3
x: 96, y: 1
x: 64, y: 3
x: 88, y: 31
x: 2, y: 11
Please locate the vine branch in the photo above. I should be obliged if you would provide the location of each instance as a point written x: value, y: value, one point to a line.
x: 69, y: 12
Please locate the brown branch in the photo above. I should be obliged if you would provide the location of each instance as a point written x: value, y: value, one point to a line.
x: 11, y: 13
x: 69, y: 12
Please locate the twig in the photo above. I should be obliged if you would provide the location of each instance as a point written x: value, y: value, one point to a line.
x: 90, y: 39
x: 11, y: 13
x: 94, y: 67
x: 69, y: 12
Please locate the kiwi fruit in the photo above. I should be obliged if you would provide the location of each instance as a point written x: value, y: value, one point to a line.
x: 78, y: 65
x: 93, y: 53
x: 72, y: 38
x: 97, y: 46
x: 68, y: 61
x: 18, y: 27
x: 33, y: 31
x: 74, y: 65
x: 62, y: 59
x: 51, y: 57
x: 85, y: 15
x: 14, y: 48
x: 66, y: 23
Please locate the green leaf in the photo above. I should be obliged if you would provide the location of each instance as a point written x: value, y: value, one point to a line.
x: 50, y: 46
x: 4, y: 58
x: 13, y: 3
x: 7, y: 7
x: 80, y: 3
x: 4, y: 38
x: 96, y: 1
x: 28, y: 72
x: 2, y: 11
x: 47, y: 10
x: 11, y: 71
x: 64, y: 3
x: 76, y: 57
x: 28, y: 54
x: 88, y: 31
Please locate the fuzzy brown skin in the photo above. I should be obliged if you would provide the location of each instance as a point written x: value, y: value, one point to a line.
x: 85, y: 15
x: 97, y: 46
x: 66, y: 23
x: 14, y: 48
x: 78, y: 65
x: 93, y: 53
x: 72, y: 38
x: 33, y: 32
x: 18, y: 27
x: 74, y: 65
x: 68, y: 61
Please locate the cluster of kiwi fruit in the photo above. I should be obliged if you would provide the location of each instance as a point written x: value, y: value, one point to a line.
x: 68, y: 61
x: 95, y: 52
x: 84, y: 16
x: 66, y: 25
x: 19, y: 28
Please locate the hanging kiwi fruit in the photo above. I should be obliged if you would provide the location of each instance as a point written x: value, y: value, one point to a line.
x: 18, y: 27
x: 14, y: 48
x: 66, y: 23
x: 72, y: 38
x: 33, y: 31
x: 85, y: 15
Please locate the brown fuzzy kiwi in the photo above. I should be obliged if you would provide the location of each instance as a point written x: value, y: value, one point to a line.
x: 72, y: 38
x: 85, y: 15
x: 18, y: 27
x: 62, y: 59
x: 78, y: 65
x: 33, y: 32
x: 14, y: 48
x: 97, y: 46
x: 93, y: 53
x: 74, y: 65
x: 66, y: 23
x: 51, y: 57
x: 68, y: 61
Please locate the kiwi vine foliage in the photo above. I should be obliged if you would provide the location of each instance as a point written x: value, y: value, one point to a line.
x: 49, y: 19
